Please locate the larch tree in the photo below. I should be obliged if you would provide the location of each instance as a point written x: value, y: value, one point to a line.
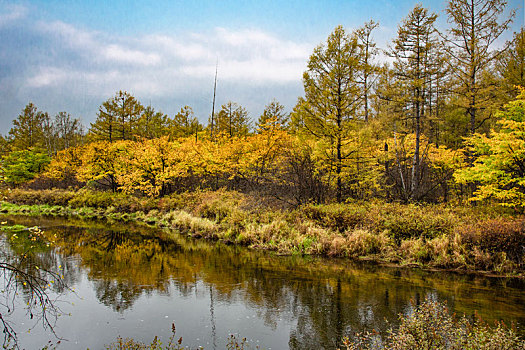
x: 68, y: 130
x: 369, y: 69
x: 332, y: 97
x: 511, y: 65
x: 152, y: 124
x: 185, y: 123
x: 411, y: 49
x: 273, y: 117
x: 117, y: 118
x: 475, y: 26
x: 232, y: 120
x: 28, y: 129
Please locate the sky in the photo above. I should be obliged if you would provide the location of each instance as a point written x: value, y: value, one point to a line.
x: 67, y: 55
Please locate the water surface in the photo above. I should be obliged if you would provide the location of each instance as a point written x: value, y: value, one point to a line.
x: 133, y: 281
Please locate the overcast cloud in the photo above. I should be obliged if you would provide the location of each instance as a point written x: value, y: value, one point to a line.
x: 53, y: 62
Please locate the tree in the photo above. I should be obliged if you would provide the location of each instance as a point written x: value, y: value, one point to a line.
x: 101, y: 161
x: 185, y: 123
x: 499, y: 165
x: 476, y: 25
x: 69, y: 130
x: 233, y: 120
x: 151, y: 166
x: 28, y: 129
x: 368, y: 69
x: 117, y: 118
x: 5, y: 146
x: 332, y: 97
x: 273, y: 117
x: 152, y: 124
x: 21, y: 166
x: 411, y: 50
x: 61, y: 133
x: 511, y: 65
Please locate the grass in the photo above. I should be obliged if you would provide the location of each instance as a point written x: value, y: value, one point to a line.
x: 436, y: 236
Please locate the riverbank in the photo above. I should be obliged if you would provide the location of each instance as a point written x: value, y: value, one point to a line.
x: 481, y: 240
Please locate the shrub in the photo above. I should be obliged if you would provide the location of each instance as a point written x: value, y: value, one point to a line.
x: 337, y: 217
x: 217, y: 205
x: 496, y: 236
x: 412, y: 221
x: 30, y: 197
x: 431, y: 326
x: 94, y: 199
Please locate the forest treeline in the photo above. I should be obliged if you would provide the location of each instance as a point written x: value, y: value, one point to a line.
x: 443, y: 118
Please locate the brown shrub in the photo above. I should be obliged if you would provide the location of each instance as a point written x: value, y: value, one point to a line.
x: 495, y: 236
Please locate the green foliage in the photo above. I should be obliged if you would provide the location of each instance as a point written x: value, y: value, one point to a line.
x: 499, y: 165
x: 329, y: 110
x: 21, y: 166
x: 511, y: 65
x: 475, y: 27
x: 152, y: 124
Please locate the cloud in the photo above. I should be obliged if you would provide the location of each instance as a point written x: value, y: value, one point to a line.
x: 60, y: 66
x: 12, y: 13
x: 121, y: 54
x: 48, y: 76
x: 162, y: 64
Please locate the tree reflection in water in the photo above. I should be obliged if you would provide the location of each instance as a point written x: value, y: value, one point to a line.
x: 323, y: 300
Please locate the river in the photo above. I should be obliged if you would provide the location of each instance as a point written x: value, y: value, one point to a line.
x: 133, y: 281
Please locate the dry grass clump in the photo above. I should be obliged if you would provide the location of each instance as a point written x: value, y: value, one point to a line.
x: 495, y: 244
x: 428, y: 235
